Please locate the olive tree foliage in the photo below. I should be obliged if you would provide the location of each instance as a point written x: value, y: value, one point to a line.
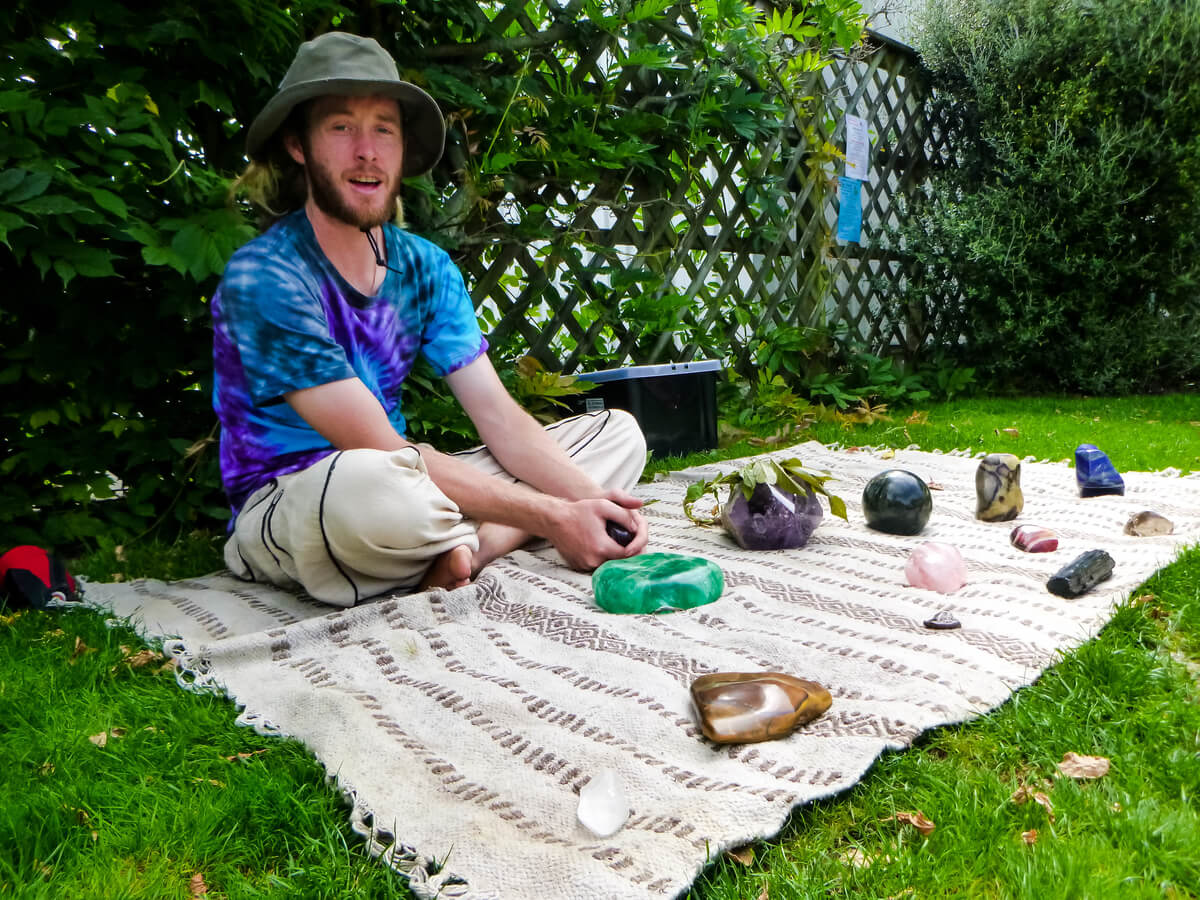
x: 1060, y: 248
x: 122, y: 126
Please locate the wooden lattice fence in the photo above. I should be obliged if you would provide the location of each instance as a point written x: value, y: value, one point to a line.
x: 712, y: 264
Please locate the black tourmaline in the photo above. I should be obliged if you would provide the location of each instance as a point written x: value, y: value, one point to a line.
x: 1081, y: 574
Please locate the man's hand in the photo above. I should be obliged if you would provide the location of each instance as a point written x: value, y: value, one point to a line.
x: 582, y: 538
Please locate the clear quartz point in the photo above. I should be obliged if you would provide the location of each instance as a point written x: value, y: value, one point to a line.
x: 603, y: 807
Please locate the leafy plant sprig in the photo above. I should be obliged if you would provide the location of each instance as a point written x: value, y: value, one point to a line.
x: 788, y: 475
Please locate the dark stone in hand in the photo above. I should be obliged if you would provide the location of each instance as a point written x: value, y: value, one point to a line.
x: 618, y: 533
x: 1095, y: 474
x: 897, y: 501
x: 771, y: 518
x: 1081, y: 574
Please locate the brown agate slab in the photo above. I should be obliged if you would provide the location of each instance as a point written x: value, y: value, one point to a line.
x: 743, y: 707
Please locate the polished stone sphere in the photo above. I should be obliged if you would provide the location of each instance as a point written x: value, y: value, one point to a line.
x: 897, y: 501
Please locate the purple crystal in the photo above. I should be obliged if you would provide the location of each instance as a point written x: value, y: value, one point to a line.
x: 1095, y: 473
x: 771, y: 519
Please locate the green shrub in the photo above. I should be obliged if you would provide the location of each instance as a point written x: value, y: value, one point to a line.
x: 1061, y: 248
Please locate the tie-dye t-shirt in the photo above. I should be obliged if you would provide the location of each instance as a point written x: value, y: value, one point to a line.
x: 285, y: 319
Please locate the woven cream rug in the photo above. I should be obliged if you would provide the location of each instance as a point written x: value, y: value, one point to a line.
x: 462, y: 725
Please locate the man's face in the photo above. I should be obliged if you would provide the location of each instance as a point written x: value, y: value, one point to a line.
x: 353, y: 152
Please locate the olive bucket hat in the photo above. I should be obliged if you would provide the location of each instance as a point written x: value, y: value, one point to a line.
x: 337, y: 63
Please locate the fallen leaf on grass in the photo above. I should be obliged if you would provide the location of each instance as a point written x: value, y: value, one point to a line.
x: 211, y: 781
x: 119, y: 553
x: 1030, y: 836
x: 101, y: 739
x: 917, y: 820
x: 1074, y: 765
x: 744, y: 855
x: 1023, y: 794
x: 907, y: 892
x: 1011, y: 432
x: 141, y: 658
x: 80, y: 649
x: 762, y: 895
x: 917, y: 418
x: 197, y: 886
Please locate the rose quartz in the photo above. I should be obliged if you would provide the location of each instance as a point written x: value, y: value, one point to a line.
x: 937, y: 567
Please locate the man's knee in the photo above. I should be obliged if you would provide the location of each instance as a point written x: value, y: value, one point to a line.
x: 375, y: 499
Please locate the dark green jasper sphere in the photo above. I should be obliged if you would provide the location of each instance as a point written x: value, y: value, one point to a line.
x: 897, y: 501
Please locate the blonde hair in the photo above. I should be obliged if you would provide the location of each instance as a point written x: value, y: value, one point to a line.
x: 275, y: 185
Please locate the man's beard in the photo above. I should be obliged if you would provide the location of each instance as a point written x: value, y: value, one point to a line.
x: 329, y: 200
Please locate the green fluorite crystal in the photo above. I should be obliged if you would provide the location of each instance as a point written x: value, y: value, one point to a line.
x: 656, y: 582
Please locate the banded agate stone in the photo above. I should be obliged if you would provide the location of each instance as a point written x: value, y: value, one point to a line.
x: 656, y: 582
x: 1033, y: 539
x: 745, y: 707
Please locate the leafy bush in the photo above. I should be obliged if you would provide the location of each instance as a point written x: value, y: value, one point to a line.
x: 1061, y: 248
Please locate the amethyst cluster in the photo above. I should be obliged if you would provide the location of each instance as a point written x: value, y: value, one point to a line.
x: 771, y: 518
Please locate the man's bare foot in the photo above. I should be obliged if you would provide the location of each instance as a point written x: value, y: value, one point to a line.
x: 450, y: 570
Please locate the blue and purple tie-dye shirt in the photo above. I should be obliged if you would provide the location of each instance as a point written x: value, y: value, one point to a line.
x: 284, y: 319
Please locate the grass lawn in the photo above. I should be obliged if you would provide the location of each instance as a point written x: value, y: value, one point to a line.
x: 175, y: 800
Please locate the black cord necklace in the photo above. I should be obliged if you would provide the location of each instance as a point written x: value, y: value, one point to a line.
x: 379, y: 260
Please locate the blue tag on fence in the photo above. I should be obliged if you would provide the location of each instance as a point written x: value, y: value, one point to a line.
x: 849, y: 209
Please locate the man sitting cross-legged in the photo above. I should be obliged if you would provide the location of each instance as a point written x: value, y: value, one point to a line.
x: 318, y: 321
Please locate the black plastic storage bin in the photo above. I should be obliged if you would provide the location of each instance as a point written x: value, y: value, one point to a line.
x: 675, y: 403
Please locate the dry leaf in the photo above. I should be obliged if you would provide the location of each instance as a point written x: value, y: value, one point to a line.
x: 934, y: 486
x: 117, y: 732
x: 80, y: 649
x: 116, y: 577
x: 99, y: 739
x: 762, y: 895
x: 197, y: 885
x: 744, y: 855
x: 46, y: 768
x: 142, y: 657
x: 1143, y: 599
x: 254, y: 753
x: 211, y: 781
x: 917, y: 418
x: 119, y: 552
x: 1030, y: 836
x: 888, y: 454
x: 907, y: 892
x: 917, y: 820
x: 1023, y: 794
x: 856, y: 858
x: 167, y: 666
x: 95, y: 836
x: 1011, y: 432
x: 1074, y: 765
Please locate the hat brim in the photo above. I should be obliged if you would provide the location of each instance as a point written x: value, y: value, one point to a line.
x: 424, y: 127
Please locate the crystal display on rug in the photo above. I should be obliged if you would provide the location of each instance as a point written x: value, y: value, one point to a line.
x: 1081, y: 574
x: 744, y: 707
x: 998, y: 488
x: 656, y: 582
x: 771, y: 518
x: 1095, y: 473
x: 936, y: 567
x: 1033, y: 539
x: 897, y: 501
x: 603, y: 806
x: 1148, y: 523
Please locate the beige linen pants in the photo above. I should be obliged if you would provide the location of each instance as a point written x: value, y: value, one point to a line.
x: 362, y: 522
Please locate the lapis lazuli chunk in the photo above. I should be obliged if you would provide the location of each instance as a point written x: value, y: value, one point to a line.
x: 1095, y: 473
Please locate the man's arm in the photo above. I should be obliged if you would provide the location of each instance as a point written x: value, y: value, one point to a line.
x: 349, y: 416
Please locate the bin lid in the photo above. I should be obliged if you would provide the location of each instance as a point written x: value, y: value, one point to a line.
x: 630, y: 372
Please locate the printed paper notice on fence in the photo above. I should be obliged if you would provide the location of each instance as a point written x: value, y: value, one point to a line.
x: 849, y: 210
x: 858, y: 146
